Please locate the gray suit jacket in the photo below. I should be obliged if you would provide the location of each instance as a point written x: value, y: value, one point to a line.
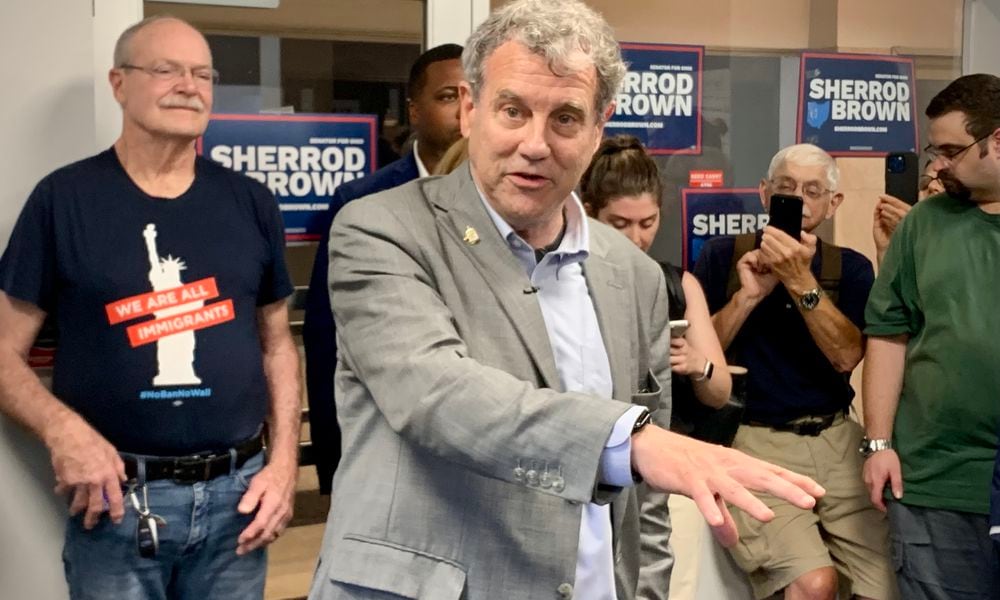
x: 446, y: 386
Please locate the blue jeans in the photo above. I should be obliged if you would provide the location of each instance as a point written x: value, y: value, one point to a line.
x: 197, y: 556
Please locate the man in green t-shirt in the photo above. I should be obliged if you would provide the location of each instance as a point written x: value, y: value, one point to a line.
x: 931, y: 379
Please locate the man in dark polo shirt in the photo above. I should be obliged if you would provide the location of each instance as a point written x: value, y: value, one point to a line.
x: 800, y: 340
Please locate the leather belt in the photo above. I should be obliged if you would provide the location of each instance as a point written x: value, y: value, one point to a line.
x: 809, y: 425
x: 195, y: 468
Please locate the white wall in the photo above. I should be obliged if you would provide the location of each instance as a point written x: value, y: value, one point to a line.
x: 49, y: 105
x: 111, y: 17
x: 981, y: 39
x: 52, y: 115
x: 451, y: 21
x: 48, y: 121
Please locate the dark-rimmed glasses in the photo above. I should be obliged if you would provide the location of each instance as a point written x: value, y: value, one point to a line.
x: 950, y: 155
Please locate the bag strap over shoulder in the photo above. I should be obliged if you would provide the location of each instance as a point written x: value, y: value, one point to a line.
x: 744, y: 243
x: 675, y: 291
x: 830, y: 271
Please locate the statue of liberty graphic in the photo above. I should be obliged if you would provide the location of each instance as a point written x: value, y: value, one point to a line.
x: 174, y: 353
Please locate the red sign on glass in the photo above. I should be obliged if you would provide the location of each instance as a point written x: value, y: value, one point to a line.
x: 705, y: 179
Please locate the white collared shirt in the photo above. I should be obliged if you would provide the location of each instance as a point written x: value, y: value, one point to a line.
x: 421, y: 169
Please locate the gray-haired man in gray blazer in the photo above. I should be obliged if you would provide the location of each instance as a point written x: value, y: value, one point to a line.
x: 500, y: 355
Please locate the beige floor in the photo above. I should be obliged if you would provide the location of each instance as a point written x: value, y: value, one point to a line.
x: 292, y: 558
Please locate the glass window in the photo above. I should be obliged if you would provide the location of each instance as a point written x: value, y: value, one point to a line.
x: 751, y: 78
x: 309, y: 56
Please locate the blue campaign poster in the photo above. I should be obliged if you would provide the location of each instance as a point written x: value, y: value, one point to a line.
x: 660, y: 99
x: 300, y: 158
x: 857, y: 104
x: 709, y: 213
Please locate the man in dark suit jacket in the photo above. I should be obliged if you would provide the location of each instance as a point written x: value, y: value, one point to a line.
x: 433, y: 112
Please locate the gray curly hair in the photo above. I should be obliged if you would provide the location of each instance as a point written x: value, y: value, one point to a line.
x: 555, y: 30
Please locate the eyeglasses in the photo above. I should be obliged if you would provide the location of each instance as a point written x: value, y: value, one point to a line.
x: 787, y: 185
x: 171, y: 71
x: 950, y: 154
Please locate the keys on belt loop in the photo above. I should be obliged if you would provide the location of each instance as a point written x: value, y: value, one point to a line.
x: 147, y: 533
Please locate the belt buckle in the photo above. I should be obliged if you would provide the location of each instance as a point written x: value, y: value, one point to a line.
x: 811, y: 428
x: 186, y: 469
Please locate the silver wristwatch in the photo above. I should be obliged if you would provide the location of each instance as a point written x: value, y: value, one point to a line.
x: 869, y: 447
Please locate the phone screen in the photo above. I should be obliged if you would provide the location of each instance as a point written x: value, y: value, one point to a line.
x: 786, y: 214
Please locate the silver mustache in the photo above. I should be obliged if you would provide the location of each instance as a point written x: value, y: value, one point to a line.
x: 181, y: 102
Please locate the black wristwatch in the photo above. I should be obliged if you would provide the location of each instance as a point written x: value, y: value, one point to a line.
x: 706, y: 373
x: 644, y: 419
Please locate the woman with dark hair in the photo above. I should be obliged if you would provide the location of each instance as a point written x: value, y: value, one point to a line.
x: 622, y: 188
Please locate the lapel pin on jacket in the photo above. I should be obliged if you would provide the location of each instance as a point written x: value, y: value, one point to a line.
x: 471, y: 236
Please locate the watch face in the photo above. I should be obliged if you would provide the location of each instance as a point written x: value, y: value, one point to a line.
x: 809, y: 300
x: 645, y: 418
x: 865, y: 449
x: 869, y: 447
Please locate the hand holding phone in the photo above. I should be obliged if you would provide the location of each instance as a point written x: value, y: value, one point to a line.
x: 678, y: 328
x: 785, y: 213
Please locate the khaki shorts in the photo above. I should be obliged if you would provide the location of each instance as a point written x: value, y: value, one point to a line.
x: 843, y: 531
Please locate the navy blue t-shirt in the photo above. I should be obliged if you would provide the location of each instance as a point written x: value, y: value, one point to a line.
x: 788, y: 375
x: 155, y: 300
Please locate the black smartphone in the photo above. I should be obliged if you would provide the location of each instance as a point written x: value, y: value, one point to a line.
x: 785, y: 213
x: 902, y: 176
